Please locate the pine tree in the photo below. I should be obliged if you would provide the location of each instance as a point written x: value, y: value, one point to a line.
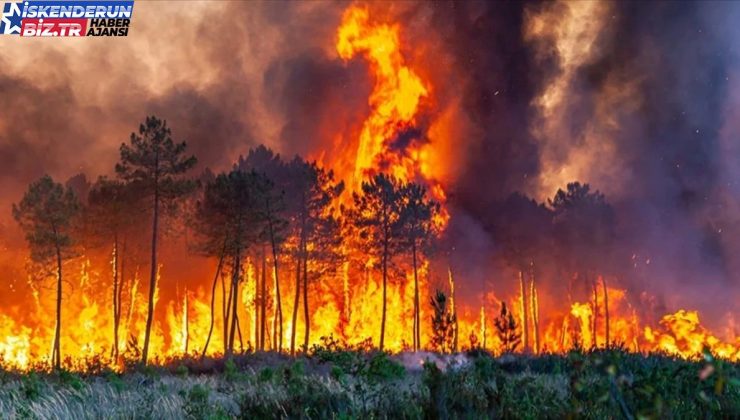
x: 272, y: 203
x: 228, y: 223
x: 155, y: 163
x: 110, y: 213
x: 376, y: 216
x: 507, y: 330
x: 417, y: 228
x: 310, y: 194
x: 46, y: 214
x: 443, y: 323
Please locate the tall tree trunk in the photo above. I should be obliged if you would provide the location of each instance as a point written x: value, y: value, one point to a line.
x: 306, y: 313
x: 296, y: 302
x: 594, y: 329
x: 234, y: 294
x: 263, y: 302
x: 524, y: 309
x: 213, y: 301
x: 153, y: 273
x: 57, y: 353
x: 484, y: 333
x: 279, y: 305
x: 121, y: 286
x: 187, y: 323
x: 116, y: 301
x: 239, y: 332
x: 385, y: 281
x: 417, y: 335
x: 256, y: 305
x: 535, y: 309
x: 225, y: 307
x: 453, y: 309
x: 606, y: 310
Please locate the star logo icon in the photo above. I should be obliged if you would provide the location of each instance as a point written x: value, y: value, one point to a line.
x: 10, y: 24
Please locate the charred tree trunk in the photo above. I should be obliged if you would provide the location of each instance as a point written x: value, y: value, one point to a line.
x: 213, y: 301
x: 594, y: 342
x: 239, y: 332
x: 306, y: 312
x: 525, y: 312
x: 234, y: 295
x: 279, y: 306
x: 606, y: 311
x: 263, y: 302
x: 256, y: 306
x: 385, y: 283
x: 153, y: 272
x: 225, y: 307
x: 57, y: 352
x: 187, y: 323
x: 296, y: 302
x: 417, y: 335
x: 121, y: 286
x: 116, y: 300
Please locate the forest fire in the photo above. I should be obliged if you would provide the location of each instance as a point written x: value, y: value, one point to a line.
x: 316, y: 262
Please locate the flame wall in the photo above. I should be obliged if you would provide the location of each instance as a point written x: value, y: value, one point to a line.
x: 639, y: 100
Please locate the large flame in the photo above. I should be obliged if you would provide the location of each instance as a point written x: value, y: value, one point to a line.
x: 395, y: 99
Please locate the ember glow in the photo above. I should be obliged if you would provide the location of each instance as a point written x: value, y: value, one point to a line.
x: 404, y: 127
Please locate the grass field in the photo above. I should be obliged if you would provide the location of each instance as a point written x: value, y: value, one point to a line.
x: 336, y: 383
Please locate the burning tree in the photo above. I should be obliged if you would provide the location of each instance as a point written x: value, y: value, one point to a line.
x: 507, y: 330
x: 110, y: 213
x: 377, y: 217
x: 229, y: 223
x: 271, y: 190
x: 312, y: 192
x: 584, y: 229
x: 417, y: 228
x: 155, y: 164
x: 524, y: 228
x: 443, y: 323
x: 46, y: 215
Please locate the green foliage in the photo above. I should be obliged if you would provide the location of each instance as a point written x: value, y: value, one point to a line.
x: 31, y: 386
x: 372, y: 366
x: 46, y: 215
x: 196, y: 402
x: 300, y: 397
x: 182, y: 370
x: 458, y: 393
x: 265, y: 374
x: 231, y: 371
x: 380, y: 367
x: 115, y: 380
x: 365, y: 384
x: 71, y: 379
x: 153, y: 161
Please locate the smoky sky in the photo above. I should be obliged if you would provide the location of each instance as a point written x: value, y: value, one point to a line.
x: 656, y: 92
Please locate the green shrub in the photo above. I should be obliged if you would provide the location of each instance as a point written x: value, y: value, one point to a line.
x: 181, y: 370
x: 115, y: 380
x: 196, y: 403
x: 380, y: 367
x: 71, y: 379
x: 31, y: 386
